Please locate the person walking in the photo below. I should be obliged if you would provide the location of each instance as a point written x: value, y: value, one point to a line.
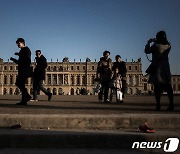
x: 39, y: 76
x: 24, y: 69
x: 104, y: 73
x: 121, y: 65
x: 159, y: 70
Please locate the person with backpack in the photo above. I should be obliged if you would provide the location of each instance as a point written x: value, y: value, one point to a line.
x: 39, y: 76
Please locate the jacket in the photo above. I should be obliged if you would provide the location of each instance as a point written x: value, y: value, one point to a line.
x: 40, y: 69
x: 160, y: 60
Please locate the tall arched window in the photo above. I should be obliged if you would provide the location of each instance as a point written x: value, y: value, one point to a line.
x: 11, y: 79
x: 5, y: 79
x: 10, y: 91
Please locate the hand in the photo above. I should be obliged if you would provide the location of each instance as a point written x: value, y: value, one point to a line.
x: 16, y: 53
x: 151, y: 40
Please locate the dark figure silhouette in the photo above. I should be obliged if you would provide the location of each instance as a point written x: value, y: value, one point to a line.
x: 104, y: 73
x: 39, y: 76
x: 24, y: 69
x: 160, y: 74
x: 121, y: 65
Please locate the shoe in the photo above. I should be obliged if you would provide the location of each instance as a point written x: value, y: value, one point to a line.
x: 49, y: 96
x: 158, y: 108
x: 121, y: 101
x: 170, y: 108
x: 28, y: 98
x: 33, y: 100
x: 22, y: 103
x: 106, y: 101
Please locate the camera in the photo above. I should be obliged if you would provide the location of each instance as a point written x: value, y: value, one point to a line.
x: 152, y: 40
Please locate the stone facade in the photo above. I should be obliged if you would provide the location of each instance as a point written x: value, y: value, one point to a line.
x: 69, y: 78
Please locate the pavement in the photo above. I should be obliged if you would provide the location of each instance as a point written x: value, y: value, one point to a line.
x: 79, y: 123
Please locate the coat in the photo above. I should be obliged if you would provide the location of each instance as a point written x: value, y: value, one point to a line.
x: 105, y: 69
x: 24, y: 62
x: 40, y: 69
x: 160, y: 61
x: 121, y: 67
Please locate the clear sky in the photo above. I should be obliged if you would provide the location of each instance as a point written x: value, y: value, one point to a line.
x: 85, y: 28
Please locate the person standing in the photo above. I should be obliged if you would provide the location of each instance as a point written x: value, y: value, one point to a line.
x: 24, y: 69
x: 39, y: 76
x: 121, y: 65
x: 160, y: 75
x: 104, y: 73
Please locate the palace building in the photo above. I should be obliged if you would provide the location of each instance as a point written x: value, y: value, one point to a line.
x: 72, y: 78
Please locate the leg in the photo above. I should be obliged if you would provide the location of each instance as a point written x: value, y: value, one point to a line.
x: 20, y: 83
x: 170, y: 96
x: 157, y: 91
x: 111, y: 94
x: 123, y: 89
x: 40, y: 86
x: 100, y: 94
x: 35, y: 89
x: 106, y: 91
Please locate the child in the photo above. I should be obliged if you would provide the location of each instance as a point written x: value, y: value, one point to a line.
x: 116, y: 85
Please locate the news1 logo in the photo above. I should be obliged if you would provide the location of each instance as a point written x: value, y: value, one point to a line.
x: 170, y: 145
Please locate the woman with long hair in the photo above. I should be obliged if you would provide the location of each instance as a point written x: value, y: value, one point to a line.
x: 160, y: 75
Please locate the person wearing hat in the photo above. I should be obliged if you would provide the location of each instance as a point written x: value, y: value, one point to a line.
x: 121, y: 65
x: 104, y: 73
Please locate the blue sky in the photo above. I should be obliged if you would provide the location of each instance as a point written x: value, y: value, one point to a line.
x: 85, y: 28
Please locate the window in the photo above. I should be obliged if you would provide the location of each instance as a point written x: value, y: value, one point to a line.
x: 84, y: 80
x: 16, y: 67
x: 92, y: 80
x: 60, y: 79
x: 84, y: 67
x: 136, y: 68
x: 54, y: 68
x: 10, y: 91
x: 11, y: 79
x: 92, y: 67
x: 178, y: 87
x: 72, y: 79
x: 78, y: 80
x: 5, y: 68
x: 72, y: 68
x: 49, y: 78
x: 49, y: 68
x: 77, y: 67
x: 129, y: 67
x: 174, y: 87
x: 5, y: 79
x: 54, y: 79
x: 11, y: 68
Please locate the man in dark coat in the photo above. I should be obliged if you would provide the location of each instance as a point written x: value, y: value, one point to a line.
x: 121, y: 65
x: 39, y: 76
x: 24, y: 69
x: 104, y: 72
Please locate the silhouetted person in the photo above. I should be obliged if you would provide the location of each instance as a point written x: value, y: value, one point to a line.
x: 24, y: 69
x: 121, y: 65
x: 39, y: 76
x: 160, y: 75
x: 104, y: 72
